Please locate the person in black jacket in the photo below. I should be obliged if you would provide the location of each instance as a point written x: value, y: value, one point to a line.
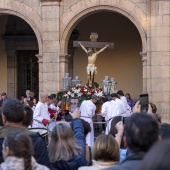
x: 67, y: 149
x: 140, y: 133
x: 158, y: 157
x: 13, y: 115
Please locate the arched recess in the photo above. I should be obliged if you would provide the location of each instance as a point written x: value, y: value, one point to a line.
x: 29, y: 21
x: 86, y: 12
x: 32, y: 18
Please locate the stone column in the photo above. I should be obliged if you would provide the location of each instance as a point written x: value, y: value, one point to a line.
x: 11, y: 73
x: 144, y: 60
x: 63, y: 66
x: 159, y: 49
x: 40, y: 67
x: 51, y: 47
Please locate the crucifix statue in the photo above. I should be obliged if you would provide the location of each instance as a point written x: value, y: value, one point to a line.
x: 92, y: 54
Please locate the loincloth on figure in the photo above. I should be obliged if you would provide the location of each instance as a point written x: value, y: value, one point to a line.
x: 91, y: 69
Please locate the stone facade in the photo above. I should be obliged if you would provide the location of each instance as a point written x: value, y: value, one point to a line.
x: 53, y: 21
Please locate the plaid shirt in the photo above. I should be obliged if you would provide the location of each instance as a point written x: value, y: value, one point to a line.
x: 14, y: 163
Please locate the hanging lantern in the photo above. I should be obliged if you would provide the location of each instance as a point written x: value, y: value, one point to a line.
x: 66, y: 82
x: 76, y: 81
x: 106, y: 85
x: 113, y: 85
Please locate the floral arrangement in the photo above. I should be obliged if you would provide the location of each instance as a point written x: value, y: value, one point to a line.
x: 80, y: 92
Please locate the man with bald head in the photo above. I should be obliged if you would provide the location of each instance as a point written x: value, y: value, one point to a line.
x: 41, y: 115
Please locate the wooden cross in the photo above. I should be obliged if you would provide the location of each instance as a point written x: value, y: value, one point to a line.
x: 93, y: 43
x: 92, y: 54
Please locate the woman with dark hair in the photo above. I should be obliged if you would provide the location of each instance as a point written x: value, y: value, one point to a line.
x: 129, y: 100
x: 157, y: 157
x: 34, y: 102
x: 22, y: 98
x: 117, y: 131
x: 17, y: 153
x: 67, y: 149
x: 105, y: 153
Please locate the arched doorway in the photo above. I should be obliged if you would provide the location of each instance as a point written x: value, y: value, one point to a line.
x: 19, y: 46
x: 123, y: 62
x: 72, y: 18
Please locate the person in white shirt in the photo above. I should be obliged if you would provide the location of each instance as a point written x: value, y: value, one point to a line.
x: 127, y: 108
x: 119, y: 104
x: 109, y: 111
x: 87, y: 110
x: 41, y: 115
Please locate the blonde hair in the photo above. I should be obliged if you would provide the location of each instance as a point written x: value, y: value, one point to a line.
x: 63, y: 145
x: 106, y: 148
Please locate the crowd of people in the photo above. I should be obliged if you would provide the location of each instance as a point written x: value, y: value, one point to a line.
x: 131, y: 140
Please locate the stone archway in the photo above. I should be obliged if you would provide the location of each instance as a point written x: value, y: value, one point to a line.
x: 131, y: 11
x: 33, y: 26
x: 71, y: 18
x: 30, y: 16
x: 12, y: 85
x: 27, y: 13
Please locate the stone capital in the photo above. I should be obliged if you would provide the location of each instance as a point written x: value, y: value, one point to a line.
x: 64, y: 58
x: 40, y: 58
x: 144, y: 56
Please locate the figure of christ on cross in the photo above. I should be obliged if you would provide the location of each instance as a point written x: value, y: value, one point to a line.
x: 92, y: 54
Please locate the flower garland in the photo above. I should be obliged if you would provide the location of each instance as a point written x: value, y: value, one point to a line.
x: 80, y: 92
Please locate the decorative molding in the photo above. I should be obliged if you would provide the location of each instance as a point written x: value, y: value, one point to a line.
x: 40, y: 58
x: 144, y: 59
x: 64, y: 58
x: 50, y: 2
x: 144, y: 56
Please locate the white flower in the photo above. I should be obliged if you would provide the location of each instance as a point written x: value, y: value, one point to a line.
x: 77, y: 91
x: 66, y: 95
x: 85, y: 89
x: 79, y: 94
x: 73, y: 88
x: 72, y: 94
x: 69, y: 93
x: 99, y: 94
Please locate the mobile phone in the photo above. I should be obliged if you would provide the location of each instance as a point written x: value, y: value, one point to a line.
x: 122, y: 119
x: 144, y: 101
